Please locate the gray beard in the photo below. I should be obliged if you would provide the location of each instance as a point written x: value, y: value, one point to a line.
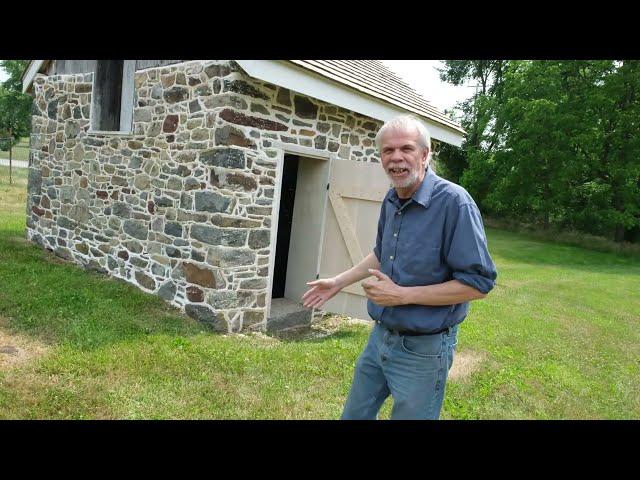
x: 410, y: 180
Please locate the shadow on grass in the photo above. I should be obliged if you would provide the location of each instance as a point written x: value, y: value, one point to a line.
x: 57, y: 302
x: 312, y: 335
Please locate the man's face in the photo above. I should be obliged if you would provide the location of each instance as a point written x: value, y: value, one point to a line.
x: 403, y: 159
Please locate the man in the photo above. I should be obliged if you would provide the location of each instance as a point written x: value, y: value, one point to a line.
x: 430, y: 260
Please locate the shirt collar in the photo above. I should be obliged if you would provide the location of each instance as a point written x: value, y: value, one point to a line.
x: 423, y: 194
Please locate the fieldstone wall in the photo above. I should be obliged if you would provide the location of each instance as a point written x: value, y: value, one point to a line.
x: 182, y: 206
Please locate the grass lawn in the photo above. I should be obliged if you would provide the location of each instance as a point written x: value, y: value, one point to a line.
x: 557, y: 338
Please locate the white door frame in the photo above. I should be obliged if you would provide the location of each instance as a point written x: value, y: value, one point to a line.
x: 307, y: 152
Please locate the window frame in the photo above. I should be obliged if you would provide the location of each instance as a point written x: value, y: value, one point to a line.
x: 126, y: 101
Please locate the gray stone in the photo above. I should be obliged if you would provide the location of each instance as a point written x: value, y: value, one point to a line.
x: 208, y: 317
x: 254, y: 284
x: 259, y: 239
x: 211, y: 202
x: 138, y: 262
x: 223, y: 299
x: 223, y: 157
x: 65, y: 222
x: 163, y: 201
x: 136, y: 229
x: 158, y: 269
x: 173, y: 252
x: 142, y: 115
x: 194, y: 106
x: 167, y: 291
x: 176, y: 94
x: 122, y: 210
x: 71, y: 129
x: 240, y: 86
x: 191, y: 183
x: 52, y: 109
x: 34, y: 184
x: 142, y: 181
x: 146, y: 281
x: 218, y: 236
x: 304, y: 108
x: 173, y: 229
x: 236, y: 222
x: 80, y: 213
x: 67, y: 193
x: 251, y: 317
x: 231, y: 257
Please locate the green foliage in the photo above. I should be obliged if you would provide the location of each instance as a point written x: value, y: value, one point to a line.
x: 556, y: 143
x: 15, y: 106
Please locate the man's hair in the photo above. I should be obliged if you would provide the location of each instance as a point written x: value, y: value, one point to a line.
x: 406, y: 123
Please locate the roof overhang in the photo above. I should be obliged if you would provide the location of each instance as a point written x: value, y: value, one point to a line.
x: 298, y: 79
x: 34, y: 67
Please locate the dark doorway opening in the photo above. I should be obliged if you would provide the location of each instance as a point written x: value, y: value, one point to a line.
x: 285, y: 220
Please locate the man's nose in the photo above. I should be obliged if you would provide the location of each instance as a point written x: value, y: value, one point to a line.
x: 396, y: 155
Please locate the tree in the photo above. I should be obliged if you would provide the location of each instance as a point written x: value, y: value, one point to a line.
x: 554, y: 142
x: 15, y: 106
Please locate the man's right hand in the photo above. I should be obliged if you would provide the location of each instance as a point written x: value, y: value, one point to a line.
x: 320, y: 292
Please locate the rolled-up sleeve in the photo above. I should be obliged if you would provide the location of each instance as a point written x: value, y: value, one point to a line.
x: 468, y: 255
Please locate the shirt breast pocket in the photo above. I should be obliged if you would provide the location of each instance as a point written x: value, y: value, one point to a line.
x: 425, y: 265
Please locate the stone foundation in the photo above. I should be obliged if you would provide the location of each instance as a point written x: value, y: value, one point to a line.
x: 182, y: 206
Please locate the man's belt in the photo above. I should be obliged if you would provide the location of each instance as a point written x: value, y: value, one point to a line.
x: 411, y: 333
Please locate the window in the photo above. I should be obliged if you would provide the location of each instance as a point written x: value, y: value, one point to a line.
x: 112, y: 96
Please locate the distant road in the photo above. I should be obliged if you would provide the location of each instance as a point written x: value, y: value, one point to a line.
x: 14, y: 163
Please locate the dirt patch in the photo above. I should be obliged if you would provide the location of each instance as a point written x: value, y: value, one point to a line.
x: 17, y: 349
x: 464, y: 364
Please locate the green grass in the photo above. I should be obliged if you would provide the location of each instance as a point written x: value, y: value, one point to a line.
x: 558, y: 338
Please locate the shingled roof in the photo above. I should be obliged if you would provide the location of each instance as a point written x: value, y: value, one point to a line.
x: 373, y: 78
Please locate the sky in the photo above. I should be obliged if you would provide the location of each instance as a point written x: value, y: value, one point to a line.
x: 422, y: 76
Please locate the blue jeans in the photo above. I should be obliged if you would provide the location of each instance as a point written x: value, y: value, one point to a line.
x: 413, y: 370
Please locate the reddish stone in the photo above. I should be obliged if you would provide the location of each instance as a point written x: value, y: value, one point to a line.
x: 247, y: 183
x: 44, y: 201
x: 170, y: 124
x: 102, y: 194
x: 37, y: 210
x: 194, y: 294
x: 200, y: 276
x: 242, y: 119
x: 123, y: 254
x: 151, y: 207
x: 171, y: 138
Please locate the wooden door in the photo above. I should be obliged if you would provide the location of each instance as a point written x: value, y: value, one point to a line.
x: 356, y: 191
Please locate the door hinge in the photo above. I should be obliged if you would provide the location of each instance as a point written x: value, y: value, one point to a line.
x: 317, y: 276
x: 328, y: 186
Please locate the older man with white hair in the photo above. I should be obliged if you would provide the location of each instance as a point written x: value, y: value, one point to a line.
x: 430, y: 260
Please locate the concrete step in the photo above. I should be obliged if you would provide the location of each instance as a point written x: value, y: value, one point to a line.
x: 287, y: 314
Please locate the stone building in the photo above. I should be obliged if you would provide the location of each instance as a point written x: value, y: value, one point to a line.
x: 221, y: 186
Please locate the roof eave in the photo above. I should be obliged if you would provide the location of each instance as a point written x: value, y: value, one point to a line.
x: 286, y: 74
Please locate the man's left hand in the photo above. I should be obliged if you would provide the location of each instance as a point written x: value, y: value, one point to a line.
x: 383, y: 291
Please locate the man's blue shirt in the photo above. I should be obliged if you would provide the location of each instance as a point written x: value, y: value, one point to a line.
x: 435, y: 237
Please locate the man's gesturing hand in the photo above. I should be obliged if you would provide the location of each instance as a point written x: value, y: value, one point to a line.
x: 320, y: 291
x: 383, y: 291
